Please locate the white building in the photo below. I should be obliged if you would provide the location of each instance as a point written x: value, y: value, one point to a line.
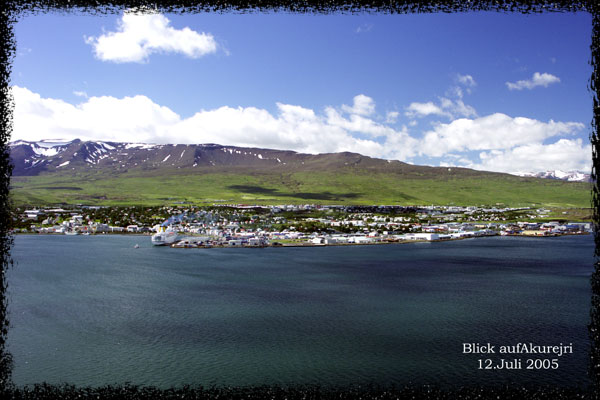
x: 421, y: 236
x: 132, y: 228
x: 317, y: 240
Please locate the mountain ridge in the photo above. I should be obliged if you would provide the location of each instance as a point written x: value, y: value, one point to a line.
x: 33, y: 158
x: 114, y: 173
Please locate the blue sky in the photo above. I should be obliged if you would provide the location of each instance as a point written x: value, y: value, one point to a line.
x: 495, y: 91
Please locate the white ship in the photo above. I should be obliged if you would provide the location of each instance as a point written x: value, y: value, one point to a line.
x: 165, y: 236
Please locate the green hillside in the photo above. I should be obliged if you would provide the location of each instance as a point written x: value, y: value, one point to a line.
x: 350, y: 186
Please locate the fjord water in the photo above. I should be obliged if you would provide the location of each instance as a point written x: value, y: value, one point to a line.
x: 95, y: 311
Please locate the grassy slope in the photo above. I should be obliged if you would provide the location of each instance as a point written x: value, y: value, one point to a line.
x: 348, y: 187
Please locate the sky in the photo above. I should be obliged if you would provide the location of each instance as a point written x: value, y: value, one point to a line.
x: 492, y: 91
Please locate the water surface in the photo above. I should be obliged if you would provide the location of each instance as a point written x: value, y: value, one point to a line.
x: 95, y: 311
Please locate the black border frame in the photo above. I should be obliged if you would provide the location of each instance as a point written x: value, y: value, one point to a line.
x: 12, y: 10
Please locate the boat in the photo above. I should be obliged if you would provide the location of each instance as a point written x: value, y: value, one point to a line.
x: 165, y: 237
x: 70, y: 233
x: 186, y: 243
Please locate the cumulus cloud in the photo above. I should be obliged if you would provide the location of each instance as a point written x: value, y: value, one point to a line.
x: 105, y: 117
x: 139, y: 119
x: 502, y: 143
x: 496, y: 131
x: 424, y: 109
x: 537, y: 79
x: 564, y: 154
x: 447, y: 108
x: 140, y: 35
x: 457, y: 108
x: 363, y: 105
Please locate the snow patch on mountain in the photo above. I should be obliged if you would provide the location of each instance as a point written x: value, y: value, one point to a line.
x: 140, y: 146
x: 571, y: 176
x: 45, y: 151
x: 45, y: 148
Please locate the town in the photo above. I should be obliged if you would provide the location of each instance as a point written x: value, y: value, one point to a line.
x: 300, y: 225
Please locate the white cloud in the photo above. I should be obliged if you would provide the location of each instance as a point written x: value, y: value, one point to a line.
x: 466, y: 80
x: 564, y: 154
x: 464, y: 83
x: 504, y: 143
x: 80, y: 93
x: 139, y: 119
x: 537, y: 79
x: 457, y: 108
x: 424, y: 109
x: 391, y: 117
x: 457, y: 92
x: 447, y: 108
x: 363, y: 105
x: 140, y: 35
x: 496, y: 131
x: 106, y: 118
x: 356, y: 123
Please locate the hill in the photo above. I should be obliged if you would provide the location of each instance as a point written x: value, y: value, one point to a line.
x: 109, y: 173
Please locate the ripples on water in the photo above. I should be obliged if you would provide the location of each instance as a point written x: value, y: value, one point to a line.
x: 95, y: 311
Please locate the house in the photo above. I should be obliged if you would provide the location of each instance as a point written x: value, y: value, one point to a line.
x: 421, y: 236
x: 329, y: 240
x: 33, y: 214
x: 257, y: 241
x: 100, y: 228
x: 132, y: 228
x: 361, y: 239
x: 536, y: 233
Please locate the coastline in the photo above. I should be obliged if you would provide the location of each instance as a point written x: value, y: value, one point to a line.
x: 419, y: 241
x: 276, y: 244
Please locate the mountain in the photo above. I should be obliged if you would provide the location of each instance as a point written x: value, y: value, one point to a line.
x: 96, y: 172
x: 34, y: 158
x: 570, y: 176
x: 55, y: 156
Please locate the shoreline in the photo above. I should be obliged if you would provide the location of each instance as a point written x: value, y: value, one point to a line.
x: 276, y: 244
x: 417, y: 241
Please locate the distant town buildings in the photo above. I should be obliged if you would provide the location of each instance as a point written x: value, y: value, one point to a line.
x: 257, y: 225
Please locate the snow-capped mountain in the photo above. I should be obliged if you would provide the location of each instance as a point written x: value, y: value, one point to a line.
x: 60, y: 156
x: 571, y: 176
x: 33, y: 158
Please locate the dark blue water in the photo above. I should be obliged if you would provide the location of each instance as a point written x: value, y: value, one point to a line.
x: 95, y: 311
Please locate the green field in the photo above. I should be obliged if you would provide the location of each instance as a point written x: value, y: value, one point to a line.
x: 368, y: 188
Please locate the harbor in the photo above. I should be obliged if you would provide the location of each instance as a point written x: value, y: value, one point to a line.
x: 205, y: 243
